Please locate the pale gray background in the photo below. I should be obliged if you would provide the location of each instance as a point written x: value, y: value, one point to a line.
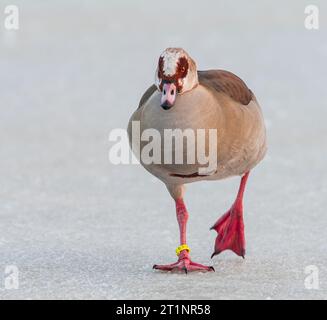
x: 78, y: 227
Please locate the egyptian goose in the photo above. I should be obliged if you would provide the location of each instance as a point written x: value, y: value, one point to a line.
x: 184, y: 98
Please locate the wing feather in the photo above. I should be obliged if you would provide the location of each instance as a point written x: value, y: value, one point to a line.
x: 147, y: 94
x: 228, y: 83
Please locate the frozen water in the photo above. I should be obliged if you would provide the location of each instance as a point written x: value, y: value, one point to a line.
x: 77, y: 226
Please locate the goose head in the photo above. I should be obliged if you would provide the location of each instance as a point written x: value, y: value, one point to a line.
x: 176, y: 74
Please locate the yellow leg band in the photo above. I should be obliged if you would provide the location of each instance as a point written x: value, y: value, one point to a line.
x: 181, y: 248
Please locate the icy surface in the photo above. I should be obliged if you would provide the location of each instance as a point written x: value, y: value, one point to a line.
x: 77, y: 226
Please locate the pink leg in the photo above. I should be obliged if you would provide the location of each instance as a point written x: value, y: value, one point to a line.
x: 184, y: 262
x: 230, y: 227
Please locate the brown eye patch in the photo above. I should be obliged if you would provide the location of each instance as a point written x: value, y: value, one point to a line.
x: 182, y: 67
x: 160, y: 67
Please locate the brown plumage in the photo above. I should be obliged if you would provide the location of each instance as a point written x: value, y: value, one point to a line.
x: 221, y: 100
x: 228, y: 83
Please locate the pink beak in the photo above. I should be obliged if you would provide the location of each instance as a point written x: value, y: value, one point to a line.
x: 168, y: 95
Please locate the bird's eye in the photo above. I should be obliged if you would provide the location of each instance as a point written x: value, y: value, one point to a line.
x: 164, y: 91
x: 172, y: 92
